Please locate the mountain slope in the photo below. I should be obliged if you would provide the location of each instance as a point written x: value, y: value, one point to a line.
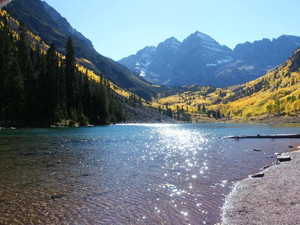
x: 43, y: 20
x: 200, y: 60
x: 199, y: 57
x: 174, y: 63
x: 35, y: 87
x: 253, y: 60
x: 276, y: 94
x: 155, y: 63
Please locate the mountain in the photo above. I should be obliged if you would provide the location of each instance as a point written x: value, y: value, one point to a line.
x: 198, y: 58
x: 201, y: 60
x: 46, y: 22
x: 274, y: 96
x: 176, y: 63
x: 267, y: 52
x: 252, y: 60
x: 154, y: 63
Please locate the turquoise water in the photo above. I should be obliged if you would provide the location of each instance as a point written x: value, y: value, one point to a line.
x: 128, y: 174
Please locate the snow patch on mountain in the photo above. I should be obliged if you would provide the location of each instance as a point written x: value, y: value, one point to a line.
x: 211, y: 64
x: 220, y: 62
x: 144, y: 60
x: 199, y: 59
x: 212, y: 48
x: 143, y: 73
x: 204, y: 37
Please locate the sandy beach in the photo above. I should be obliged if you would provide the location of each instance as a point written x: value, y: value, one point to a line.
x: 273, y: 199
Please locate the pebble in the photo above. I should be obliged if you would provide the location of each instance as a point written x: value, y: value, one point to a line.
x: 57, y: 196
x: 170, y: 187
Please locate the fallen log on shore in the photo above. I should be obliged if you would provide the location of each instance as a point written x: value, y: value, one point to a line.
x: 266, y: 136
x: 283, y: 158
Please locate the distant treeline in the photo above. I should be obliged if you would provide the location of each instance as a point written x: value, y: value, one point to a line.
x: 40, y: 89
x: 210, y: 113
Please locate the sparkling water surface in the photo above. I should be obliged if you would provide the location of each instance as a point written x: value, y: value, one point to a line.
x: 129, y: 174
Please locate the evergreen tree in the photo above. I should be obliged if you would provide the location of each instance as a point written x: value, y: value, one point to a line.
x: 71, y: 77
x: 218, y: 114
x: 86, y: 95
x: 25, y: 65
x: 178, y: 113
x: 38, y: 89
x: 104, y: 105
x: 198, y: 108
x: 208, y: 113
x: 61, y: 105
x: 49, y: 86
x: 6, y: 58
x: 203, y: 109
x: 15, y: 93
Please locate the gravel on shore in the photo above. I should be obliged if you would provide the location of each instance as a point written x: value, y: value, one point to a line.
x: 273, y: 199
x: 143, y: 114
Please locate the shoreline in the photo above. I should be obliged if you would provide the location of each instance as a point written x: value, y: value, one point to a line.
x: 272, y: 199
x: 171, y: 121
x: 251, y: 120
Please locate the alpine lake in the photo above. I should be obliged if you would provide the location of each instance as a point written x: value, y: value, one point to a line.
x: 129, y: 174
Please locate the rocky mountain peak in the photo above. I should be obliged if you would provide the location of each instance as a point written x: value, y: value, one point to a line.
x: 200, y: 37
x: 172, y: 40
x: 148, y: 50
x: 171, y: 44
x: 204, y: 43
x: 201, y: 60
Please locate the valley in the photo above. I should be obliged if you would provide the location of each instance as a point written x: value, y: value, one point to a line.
x: 185, y: 131
x: 196, y: 80
x: 274, y: 95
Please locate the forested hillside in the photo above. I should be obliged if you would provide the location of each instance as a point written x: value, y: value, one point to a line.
x: 42, y: 85
x: 276, y: 94
x: 44, y: 88
x: 44, y: 21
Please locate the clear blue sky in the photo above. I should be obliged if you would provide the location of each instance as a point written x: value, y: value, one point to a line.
x: 119, y: 28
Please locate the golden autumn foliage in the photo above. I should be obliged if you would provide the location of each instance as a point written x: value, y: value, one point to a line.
x: 276, y: 93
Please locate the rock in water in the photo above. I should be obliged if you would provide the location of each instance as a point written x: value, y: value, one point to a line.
x: 170, y: 187
x: 84, y: 175
x: 257, y: 175
x: 57, y: 196
x: 266, y: 167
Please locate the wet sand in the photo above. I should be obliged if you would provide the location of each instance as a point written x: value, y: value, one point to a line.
x: 273, y: 199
